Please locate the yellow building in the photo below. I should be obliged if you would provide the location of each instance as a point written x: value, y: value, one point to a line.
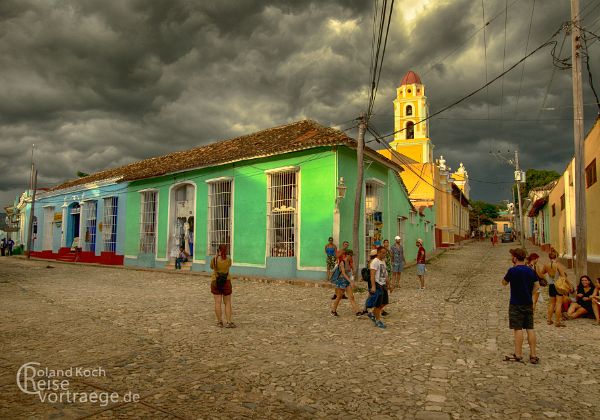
x: 561, y: 203
x: 429, y: 183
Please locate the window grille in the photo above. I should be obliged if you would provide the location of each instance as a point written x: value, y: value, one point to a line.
x: 109, y: 224
x: 413, y: 217
x: 282, y: 213
x: 219, y: 215
x: 48, y: 220
x: 90, y: 208
x: 373, y: 216
x: 148, y: 222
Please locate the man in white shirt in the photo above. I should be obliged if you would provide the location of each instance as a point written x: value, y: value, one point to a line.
x: 378, y: 287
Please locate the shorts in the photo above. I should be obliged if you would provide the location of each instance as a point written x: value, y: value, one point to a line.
x: 226, y: 290
x: 552, y: 291
x: 520, y: 317
x: 379, y: 298
x: 341, y: 282
x: 398, y: 267
x: 421, y: 269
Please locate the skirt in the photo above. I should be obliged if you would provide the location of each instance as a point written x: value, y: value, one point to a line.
x: 226, y: 290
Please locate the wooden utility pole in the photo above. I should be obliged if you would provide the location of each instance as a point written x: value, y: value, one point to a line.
x: 31, y: 214
x: 360, y: 149
x: 579, y: 169
x: 519, y: 180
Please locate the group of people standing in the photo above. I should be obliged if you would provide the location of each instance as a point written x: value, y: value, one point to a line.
x: 6, y: 246
x: 382, y: 274
x: 525, y: 278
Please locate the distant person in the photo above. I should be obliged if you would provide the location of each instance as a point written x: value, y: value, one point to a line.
x: 181, y: 258
x: 398, y: 261
x: 220, y: 286
x: 532, y: 260
x: 10, y: 245
x: 3, y: 246
x: 523, y: 283
x: 330, y: 256
x: 583, y: 305
x: 421, y: 256
x: 494, y: 238
x: 349, y: 262
x: 596, y: 301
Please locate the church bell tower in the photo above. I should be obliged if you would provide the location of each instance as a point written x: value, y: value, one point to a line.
x: 410, y: 108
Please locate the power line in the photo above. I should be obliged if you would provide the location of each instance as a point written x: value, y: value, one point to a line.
x: 487, y: 90
x: 545, y: 44
x: 503, y: 60
x: 551, y: 78
x: 523, y: 68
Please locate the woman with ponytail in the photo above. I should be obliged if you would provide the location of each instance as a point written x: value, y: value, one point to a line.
x: 220, y: 286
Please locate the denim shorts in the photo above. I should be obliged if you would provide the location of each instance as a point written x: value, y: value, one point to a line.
x: 420, y: 269
x: 379, y: 298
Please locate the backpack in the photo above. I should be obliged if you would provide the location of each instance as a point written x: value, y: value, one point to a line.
x: 365, y: 273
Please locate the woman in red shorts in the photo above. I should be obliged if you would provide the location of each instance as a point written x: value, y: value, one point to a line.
x: 220, y: 286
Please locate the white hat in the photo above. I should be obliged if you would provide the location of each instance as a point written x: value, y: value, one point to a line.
x: 397, y: 238
x: 373, y: 252
x: 420, y: 241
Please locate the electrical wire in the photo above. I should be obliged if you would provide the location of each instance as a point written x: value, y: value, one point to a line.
x: 589, y: 70
x: 551, y: 79
x: 464, y: 98
x: 503, y: 61
x: 487, y: 90
x: 523, y: 68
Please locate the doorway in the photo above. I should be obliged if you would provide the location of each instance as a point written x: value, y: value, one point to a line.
x: 73, y: 225
x: 182, y: 219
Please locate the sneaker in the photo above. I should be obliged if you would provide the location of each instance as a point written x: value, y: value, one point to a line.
x: 384, y: 313
x: 333, y: 313
x: 371, y: 316
x: 379, y: 324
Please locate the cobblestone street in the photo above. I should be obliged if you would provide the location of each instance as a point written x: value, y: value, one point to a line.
x: 153, y: 332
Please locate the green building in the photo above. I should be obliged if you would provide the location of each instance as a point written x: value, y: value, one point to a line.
x: 273, y: 197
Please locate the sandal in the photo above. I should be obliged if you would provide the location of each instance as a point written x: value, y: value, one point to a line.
x: 230, y: 325
x: 513, y: 358
x: 219, y: 324
x: 534, y: 360
x: 334, y: 313
x: 549, y: 322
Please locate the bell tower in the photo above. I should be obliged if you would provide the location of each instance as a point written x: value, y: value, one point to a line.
x: 410, y: 107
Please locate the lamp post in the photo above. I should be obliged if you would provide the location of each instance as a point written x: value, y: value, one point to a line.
x: 341, y: 192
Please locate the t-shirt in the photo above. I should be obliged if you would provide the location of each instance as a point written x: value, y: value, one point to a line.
x: 521, y: 279
x: 380, y: 271
x: 421, y: 255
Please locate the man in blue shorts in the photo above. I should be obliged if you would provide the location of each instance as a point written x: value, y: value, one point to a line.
x: 523, y: 284
x: 378, y: 287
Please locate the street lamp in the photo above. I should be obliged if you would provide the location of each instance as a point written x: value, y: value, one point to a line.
x: 341, y: 190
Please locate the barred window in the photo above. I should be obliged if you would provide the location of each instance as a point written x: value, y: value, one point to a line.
x: 109, y: 224
x: 90, y: 208
x: 401, y: 228
x: 373, y: 216
x: 148, y: 222
x: 48, y: 225
x: 282, y: 213
x: 219, y: 215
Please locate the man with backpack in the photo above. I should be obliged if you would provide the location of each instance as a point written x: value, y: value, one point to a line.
x: 378, y: 287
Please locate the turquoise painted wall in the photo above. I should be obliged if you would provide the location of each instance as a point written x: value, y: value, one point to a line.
x: 316, y: 205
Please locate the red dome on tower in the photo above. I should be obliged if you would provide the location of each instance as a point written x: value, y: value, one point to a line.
x: 410, y: 78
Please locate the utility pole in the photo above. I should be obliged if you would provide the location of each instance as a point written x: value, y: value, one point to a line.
x: 519, y: 180
x: 360, y: 149
x: 31, y: 214
x: 580, y: 206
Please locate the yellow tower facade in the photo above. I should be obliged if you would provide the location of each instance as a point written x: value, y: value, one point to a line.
x: 410, y: 108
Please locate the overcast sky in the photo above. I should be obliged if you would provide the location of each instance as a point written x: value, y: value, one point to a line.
x: 97, y: 84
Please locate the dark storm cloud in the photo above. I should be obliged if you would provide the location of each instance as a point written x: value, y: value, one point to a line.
x: 100, y: 84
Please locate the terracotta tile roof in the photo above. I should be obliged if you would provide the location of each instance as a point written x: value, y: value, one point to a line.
x: 300, y: 135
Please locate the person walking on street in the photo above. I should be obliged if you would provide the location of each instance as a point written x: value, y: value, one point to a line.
x: 10, y: 245
x: 398, y: 262
x: 378, y: 287
x: 421, y: 264
x: 523, y: 284
x: 220, y: 286
x: 554, y: 270
x: 343, y: 280
x: 532, y: 260
x: 330, y: 256
x: 3, y: 246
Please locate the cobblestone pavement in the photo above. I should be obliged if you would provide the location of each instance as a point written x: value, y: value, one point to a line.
x: 153, y: 333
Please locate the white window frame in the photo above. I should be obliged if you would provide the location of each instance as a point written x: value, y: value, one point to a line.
x: 220, y: 214
x: 90, y: 220
x: 48, y: 228
x: 413, y: 217
x: 282, y: 212
x: 373, y: 204
x: 109, y: 224
x: 148, y: 222
x: 401, y: 228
